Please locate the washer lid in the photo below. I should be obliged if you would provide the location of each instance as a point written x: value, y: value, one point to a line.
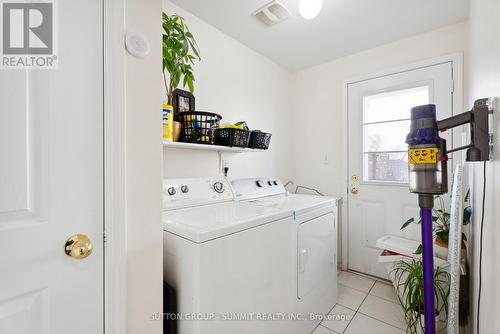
x: 203, y: 223
x: 294, y: 202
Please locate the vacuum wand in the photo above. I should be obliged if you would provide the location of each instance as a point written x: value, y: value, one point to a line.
x: 428, y: 174
x: 428, y: 265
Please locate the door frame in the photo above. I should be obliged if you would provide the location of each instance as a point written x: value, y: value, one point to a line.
x: 456, y: 59
x: 115, y: 230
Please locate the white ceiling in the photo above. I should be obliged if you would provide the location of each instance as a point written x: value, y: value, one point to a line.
x: 343, y: 27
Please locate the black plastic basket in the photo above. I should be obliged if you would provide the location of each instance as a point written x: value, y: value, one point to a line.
x: 232, y: 137
x: 259, y: 140
x: 198, y: 126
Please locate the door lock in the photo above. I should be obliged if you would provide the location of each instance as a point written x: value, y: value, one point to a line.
x: 78, y: 246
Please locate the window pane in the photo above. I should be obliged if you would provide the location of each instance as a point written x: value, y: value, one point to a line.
x: 393, y: 105
x: 385, y: 136
x: 384, y: 167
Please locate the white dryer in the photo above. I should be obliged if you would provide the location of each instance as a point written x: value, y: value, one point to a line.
x: 314, y: 238
x: 229, y: 262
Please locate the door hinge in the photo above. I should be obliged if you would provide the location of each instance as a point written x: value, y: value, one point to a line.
x: 452, y: 85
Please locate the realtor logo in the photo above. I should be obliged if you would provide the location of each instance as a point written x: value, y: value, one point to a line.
x: 28, y: 34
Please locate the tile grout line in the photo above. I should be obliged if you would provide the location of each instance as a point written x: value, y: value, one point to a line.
x: 347, y: 286
x: 386, y: 299
x: 355, y: 274
x: 388, y: 324
x: 357, y: 310
x: 331, y: 330
x: 347, y: 307
x: 364, y: 299
x: 320, y: 324
x: 367, y: 294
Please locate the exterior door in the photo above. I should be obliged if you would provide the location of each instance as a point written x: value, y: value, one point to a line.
x: 51, y: 168
x: 379, y: 119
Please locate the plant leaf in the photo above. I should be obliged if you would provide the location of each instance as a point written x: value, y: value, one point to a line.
x: 406, y: 223
x: 419, y: 250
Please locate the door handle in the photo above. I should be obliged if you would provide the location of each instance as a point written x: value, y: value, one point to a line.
x: 354, y: 190
x: 78, y: 246
x: 302, y: 260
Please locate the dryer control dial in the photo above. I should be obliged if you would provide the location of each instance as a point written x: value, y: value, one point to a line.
x: 171, y: 191
x: 219, y: 187
x: 185, y: 189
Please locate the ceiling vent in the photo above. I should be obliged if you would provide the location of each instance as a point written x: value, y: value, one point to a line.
x: 272, y: 13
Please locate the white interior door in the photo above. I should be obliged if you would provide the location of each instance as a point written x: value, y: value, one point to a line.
x: 379, y: 119
x: 51, y: 182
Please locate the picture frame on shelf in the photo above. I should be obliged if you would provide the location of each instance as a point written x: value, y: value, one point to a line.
x: 183, y: 101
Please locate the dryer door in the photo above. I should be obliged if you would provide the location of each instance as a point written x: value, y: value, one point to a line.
x: 316, y: 263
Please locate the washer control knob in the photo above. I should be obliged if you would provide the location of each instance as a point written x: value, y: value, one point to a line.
x: 269, y: 183
x: 185, y: 189
x: 259, y: 183
x: 171, y: 191
x: 275, y: 182
x: 219, y: 187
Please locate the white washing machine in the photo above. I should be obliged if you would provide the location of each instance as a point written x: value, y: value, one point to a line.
x: 229, y: 262
x: 314, y: 238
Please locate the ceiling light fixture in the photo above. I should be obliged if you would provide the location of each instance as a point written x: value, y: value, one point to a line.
x: 309, y: 9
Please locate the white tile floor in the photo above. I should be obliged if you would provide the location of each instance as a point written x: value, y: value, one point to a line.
x: 364, y: 306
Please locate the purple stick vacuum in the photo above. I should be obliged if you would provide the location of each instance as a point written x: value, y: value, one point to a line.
x: 427, y: 166
x: 427, y: 174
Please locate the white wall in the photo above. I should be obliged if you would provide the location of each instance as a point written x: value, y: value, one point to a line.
x: 239, y: 84
x: 485, y: 82
x: 143, y: 172
x: 319, y: 124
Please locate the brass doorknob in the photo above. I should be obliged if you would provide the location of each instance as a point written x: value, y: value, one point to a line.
x: 354, y: 190
x: 78, y: 246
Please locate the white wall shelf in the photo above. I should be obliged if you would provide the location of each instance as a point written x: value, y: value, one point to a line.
x: 203, y: 147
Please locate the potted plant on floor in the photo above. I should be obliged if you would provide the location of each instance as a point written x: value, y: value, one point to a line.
x: 441, y: 226
x: 408, y: 279
x: 180, y: 51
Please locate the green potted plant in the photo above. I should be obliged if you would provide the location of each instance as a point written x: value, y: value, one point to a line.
x: 441, y: 226
x: 180, y: 51
x: 408, y: 280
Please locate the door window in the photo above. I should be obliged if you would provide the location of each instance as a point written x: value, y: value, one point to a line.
x: 386, y: 122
